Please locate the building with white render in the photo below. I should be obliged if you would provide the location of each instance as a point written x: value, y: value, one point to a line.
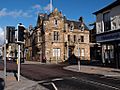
x: 108, y: 33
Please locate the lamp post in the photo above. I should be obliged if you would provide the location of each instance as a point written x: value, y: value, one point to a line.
x: 56, y: 56
x: 78, y: 56
x: 5, y: 41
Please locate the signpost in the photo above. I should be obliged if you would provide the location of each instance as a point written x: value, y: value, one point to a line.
x: 9, y: 34
x: 78, y: 56
x: 18, y: 62
x: 20, y: 40
x: 9, y: 37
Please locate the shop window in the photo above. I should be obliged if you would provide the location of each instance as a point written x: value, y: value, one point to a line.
x: 112, y: 51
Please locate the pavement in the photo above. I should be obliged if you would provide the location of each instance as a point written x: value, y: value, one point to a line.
x: 106, y: 71
x: 26, y: 84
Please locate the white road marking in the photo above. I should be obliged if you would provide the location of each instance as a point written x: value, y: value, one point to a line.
x: 54, y: 86
x: 57, y: 79
x: 112, y: 75
x: 43, y: 81
x: 73, y: 77
x: 97, y: 83
x: 47, y: 82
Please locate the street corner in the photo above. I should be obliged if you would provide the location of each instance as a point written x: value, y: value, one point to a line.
x: 10, y: 78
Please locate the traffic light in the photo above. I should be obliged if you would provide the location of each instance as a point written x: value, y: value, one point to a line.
x: 10, y: 34
x: 21, y: 33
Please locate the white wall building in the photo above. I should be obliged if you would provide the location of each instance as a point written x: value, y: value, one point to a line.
x: 108, y: 33
x: 1, y: 51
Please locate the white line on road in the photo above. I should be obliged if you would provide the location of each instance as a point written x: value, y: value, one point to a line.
x: 57, y: 79
x: 54, y: 86
x: 49, y: 80
x: 97, y: 83
x: 73, y: 77
x: 112, y: 75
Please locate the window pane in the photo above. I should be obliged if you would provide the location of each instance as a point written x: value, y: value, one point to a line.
x: 82, y: 52
x: 107, y: 22
x: 53, y: 52
x: 74, y: 38
x: 55, y: 22
x: 56, y: 36
x: 68, y: 37
x: 71, y: 28
x: 56, y: 52
x: 82, y: 38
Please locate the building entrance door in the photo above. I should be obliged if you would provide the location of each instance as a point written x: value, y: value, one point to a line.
x: 118, y: 56
x: 72, y: 58
x: 71, y: 49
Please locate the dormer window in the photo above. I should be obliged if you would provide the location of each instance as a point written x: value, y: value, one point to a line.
x: 81, y: 27
x: 44, y: 25
x: 71, y: 28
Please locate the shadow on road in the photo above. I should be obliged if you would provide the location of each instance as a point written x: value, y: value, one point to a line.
x: 2, y: 85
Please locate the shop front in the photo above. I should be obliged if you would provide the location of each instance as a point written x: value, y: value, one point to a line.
x: 110, y: 43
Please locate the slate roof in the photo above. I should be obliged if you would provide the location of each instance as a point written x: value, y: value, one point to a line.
x: 114, y: 4
x: 76, y: 24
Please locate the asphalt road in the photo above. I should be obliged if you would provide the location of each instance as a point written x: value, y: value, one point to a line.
x: 54, y: 77
x: 73, y: 83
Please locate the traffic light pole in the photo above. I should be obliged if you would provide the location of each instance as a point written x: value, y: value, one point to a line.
x: 18, y: 62
x: 20, y: 40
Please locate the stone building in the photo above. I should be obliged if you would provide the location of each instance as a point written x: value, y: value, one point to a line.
x: 95, y: 48
x: 28, y: 44
x: 57, y: 39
